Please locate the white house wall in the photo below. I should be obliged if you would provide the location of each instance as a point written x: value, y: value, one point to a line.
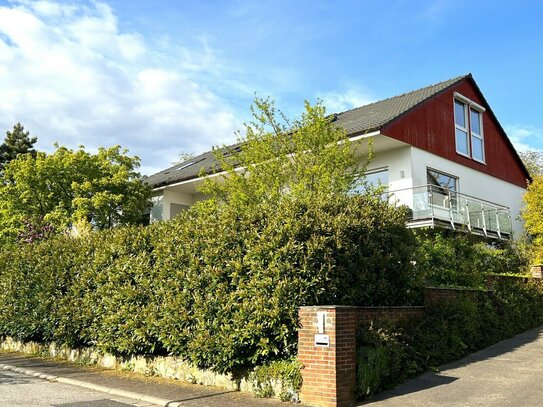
x: 471, y: 182
x: 400, y: 178
x: 156, y: 212
x: 406, y: 169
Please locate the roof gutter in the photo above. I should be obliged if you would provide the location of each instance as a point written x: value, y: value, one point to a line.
x: 191, y: 180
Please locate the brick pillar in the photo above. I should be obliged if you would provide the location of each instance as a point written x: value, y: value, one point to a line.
x: 329, y: 373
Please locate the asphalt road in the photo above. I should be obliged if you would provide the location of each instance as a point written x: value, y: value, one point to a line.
x: 19, y: 390
x: 506, y: 374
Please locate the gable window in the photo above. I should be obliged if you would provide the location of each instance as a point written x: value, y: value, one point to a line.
x: 461, y: 124
x: 477, y: 150
x: 468, y: 123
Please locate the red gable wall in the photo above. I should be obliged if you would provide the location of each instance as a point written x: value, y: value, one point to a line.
x: 430, y: 127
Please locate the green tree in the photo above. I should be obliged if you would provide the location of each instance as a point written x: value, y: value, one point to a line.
x: 70, y: 187
x: 277, y: 158
x: 280, y: 230
x: 17, y: 141
x: 183, y: 156
x: 533, y: 161
x: 533, y: 215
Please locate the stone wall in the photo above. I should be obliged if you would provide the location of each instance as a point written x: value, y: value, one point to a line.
x: 162, y: 366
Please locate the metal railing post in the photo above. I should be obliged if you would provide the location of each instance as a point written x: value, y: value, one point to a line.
x: 498, y: 230
x: 451, y: 216
x: 484, y: 220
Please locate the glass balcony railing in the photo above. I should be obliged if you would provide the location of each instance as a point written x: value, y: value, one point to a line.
x: 432, y: 203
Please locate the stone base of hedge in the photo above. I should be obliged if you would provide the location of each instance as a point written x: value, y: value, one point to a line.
x: 161, y: 366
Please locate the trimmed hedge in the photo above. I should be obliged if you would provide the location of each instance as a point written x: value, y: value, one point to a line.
x: 448, y: 258
x: 391, y: 353
x: 218, y: 288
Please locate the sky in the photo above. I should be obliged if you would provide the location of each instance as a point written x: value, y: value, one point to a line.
x: 165, y: 77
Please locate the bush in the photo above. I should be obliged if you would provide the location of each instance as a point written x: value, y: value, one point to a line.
x: 390, y: 353
x: 384, y: 358
x: 449, y: 258
x: 287, y: 372
x: 232, y: 284
x: 216, y: 287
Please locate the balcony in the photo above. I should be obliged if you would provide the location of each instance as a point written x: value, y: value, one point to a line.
x: 432, y: 205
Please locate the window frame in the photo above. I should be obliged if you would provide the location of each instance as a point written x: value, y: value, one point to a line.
x: 447, y: 174
x: 377, y: 171
x: 481, y: 137
x: 469, y: 106
x: 359, y: 189
x: 450, y: 192
x: 465, y: 130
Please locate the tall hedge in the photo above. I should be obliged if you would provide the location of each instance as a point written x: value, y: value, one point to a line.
x: 216, y: 287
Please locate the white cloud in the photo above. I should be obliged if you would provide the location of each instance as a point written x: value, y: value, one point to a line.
x: 69, y: 74
x: 336, y: 102
x: 525, y: 137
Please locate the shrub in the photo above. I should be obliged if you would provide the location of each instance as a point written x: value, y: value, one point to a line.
x: 216, y: 287
x: 384, y: 357
x: 220, y: 285
x: 390, y: 353
x: 232, y: 283
x: 449, y: 258
x: 287, y: 372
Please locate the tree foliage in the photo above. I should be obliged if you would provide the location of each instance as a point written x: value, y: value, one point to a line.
x: 184, y: 156
x: 68, y: 187
x: 304, y: 159
x: 17, y: 141
x: 533, y: 214
x: 448, y: 258
x: 533, y: 161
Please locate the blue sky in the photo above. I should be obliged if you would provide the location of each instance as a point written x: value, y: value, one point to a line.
x: 164, y: 77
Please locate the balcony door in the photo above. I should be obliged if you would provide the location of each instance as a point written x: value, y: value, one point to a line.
x: 442, y: 189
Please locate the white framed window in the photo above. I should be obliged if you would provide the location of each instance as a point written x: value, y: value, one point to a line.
x: 377, y: 178
x: 477, y: 143
x: 461, y: 127
x: 442, y: 189
x: 468, y: 123
x: 442, y: 180
x: 373, y: 179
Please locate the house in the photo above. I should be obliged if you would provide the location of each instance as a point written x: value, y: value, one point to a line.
x: 440, y: 150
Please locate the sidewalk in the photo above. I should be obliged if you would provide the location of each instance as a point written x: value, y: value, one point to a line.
x: 507, y: 374
x: 130, y: 385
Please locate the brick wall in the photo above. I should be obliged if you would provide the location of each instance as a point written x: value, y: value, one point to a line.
x: 329, y: 371
x: 392, y: 314
x: 433, y: 295
x: 329, y: 374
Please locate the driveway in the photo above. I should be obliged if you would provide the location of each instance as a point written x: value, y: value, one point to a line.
x: 509, y: 373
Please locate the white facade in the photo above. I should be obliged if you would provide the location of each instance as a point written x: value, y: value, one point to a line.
x: 472, y: 182
x: 406, y: 169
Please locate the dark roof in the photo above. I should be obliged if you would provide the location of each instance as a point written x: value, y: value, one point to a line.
x: 356, y: 121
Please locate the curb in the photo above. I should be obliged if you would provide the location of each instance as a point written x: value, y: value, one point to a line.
x: 96, y: 387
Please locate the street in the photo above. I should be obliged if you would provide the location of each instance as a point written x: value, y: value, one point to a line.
x: 20, y: 390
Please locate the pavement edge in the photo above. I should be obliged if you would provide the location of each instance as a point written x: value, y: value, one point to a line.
x: 96, y: 387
